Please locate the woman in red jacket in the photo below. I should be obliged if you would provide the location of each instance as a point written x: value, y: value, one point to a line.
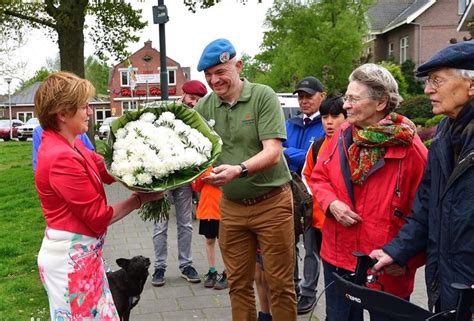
x: 365, y: 182
x: 69, y: 180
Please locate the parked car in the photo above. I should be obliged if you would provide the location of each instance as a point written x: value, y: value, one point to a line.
x: 5, y: 128
x: 104, y: 129
x: 289, y: 104
x: 26, y: 131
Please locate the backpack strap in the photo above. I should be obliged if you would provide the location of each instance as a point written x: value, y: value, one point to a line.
x: 315, y: 147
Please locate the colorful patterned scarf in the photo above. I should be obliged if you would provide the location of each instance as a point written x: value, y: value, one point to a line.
x: 370, y: 143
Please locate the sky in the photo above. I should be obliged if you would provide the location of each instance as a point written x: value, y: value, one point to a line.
x: 187, y: 34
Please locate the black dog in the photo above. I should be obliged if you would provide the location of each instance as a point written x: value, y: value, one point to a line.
x: 127, y: 283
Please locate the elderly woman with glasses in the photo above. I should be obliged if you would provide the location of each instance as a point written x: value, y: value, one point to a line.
x: 442, y: 222
x: 69, y: 180
x: 365, y: 182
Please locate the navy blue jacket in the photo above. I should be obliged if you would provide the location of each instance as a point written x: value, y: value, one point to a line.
x: 299, y: 138
x: 442, y: 221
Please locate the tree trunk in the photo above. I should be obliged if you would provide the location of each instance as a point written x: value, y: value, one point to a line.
x: 70, y: 28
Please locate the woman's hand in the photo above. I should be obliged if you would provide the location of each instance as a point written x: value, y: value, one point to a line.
x: 343, y: 214
x: 148, y: 197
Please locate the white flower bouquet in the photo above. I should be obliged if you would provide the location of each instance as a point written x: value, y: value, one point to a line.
x: 160, y: 147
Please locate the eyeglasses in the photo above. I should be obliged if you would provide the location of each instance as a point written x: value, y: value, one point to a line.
x: 436, y: 83
x: 352, y: 100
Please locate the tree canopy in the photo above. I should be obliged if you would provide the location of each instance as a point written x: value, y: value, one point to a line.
x: 113, y: 26
x: 322, y: 38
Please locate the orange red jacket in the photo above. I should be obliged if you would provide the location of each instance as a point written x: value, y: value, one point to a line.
x: 69, y: 185
x: 208, y: 207
x: 383, y: 201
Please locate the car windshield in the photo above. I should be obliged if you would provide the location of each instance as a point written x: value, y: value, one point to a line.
x: 109, y: 121
x: 32, y: 121
x: 4, y: 123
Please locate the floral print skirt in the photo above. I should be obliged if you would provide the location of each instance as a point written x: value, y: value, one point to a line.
x: 72, y: 271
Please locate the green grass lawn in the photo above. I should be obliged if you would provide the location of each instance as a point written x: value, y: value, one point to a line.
x: 22, y: 295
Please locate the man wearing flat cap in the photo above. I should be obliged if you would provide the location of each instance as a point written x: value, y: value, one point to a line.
x: 257, y: 203
x: 302, y: 131
x: 442, y: 222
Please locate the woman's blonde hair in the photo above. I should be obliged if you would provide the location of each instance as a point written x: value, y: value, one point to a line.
x: 61, y: 92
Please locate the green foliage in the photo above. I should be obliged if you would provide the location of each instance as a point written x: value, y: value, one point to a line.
x: 323, y: 39
x: 419, y: 121
x: 397, y: 74
x: 113, y: 27
x: 22, y: 295
x: 427, y: 143
x: 40, y: 75
x: 416, y: 107
x: 434, y: 120
x: 414, y: 86
x: 251, y: 68
x: 97, y: 73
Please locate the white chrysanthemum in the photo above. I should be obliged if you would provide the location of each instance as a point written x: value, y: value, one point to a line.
x: 146, y: 149
x: 211, y: 123
x: 148, y: 117
x: 166, y: 117
x: 121, y: 133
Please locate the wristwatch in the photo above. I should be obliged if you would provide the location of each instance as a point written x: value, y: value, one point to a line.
x: 244, y: 171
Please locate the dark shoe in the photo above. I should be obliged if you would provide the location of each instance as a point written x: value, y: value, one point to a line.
x: 262, y: 316
x: 211, y: 279
x: 190, y: 274
x: 222, y: 283
x: 305, y: 304
x: 158, y: 278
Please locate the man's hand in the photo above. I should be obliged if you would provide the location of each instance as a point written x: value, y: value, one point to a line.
x: 222, y: 175
x: 343, y: 213
x: 383, y: 260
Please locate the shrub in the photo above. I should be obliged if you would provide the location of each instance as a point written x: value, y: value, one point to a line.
x: 416, y: 107
x: 434, y: 120
x: 420, y: 121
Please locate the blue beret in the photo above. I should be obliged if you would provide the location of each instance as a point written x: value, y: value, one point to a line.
x: 459, y: 56
x: 215, y: 53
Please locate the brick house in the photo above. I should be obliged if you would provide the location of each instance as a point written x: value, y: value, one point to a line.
x: 145, y: 64
x: 23, y: 107
x: 413, y: 29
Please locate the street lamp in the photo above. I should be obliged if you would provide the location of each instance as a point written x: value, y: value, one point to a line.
x: 9, y: 80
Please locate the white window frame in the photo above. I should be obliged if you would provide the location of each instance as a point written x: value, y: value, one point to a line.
x: 121, y: 72
x: 391, y: 49
x: 23, y: 115
x: 127, y: 103
x: 403, y: 49
x: 171, y: 70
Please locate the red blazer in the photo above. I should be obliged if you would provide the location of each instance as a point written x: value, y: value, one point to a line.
x: 383, y: 201
x: 69, y: 186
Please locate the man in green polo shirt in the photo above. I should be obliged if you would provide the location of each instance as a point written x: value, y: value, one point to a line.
x: 256, y: 204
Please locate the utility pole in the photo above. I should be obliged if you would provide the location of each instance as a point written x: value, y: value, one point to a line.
x: 160, y: 17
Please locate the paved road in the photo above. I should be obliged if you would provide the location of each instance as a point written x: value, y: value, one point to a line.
x: 179, y: 300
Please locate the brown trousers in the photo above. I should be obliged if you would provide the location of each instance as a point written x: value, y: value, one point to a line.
x: 269, y: 222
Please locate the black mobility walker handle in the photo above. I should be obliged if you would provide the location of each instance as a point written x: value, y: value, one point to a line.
x: 352, y: 288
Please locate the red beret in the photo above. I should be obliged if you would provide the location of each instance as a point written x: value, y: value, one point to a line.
x: 195, y: 87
